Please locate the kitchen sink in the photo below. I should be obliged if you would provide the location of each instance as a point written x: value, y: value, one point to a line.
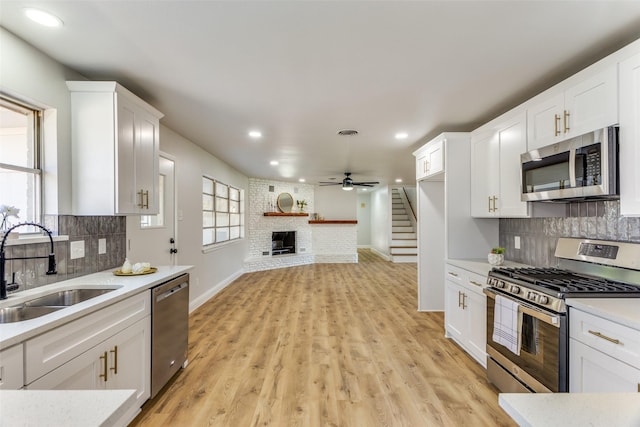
x: 66, y: 298
x: 48, y: 304
x: 18, y: 313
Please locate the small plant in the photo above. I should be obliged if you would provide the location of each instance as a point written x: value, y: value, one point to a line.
x: 301, y: 204
x: 7, y: 211
x: 497, y: 250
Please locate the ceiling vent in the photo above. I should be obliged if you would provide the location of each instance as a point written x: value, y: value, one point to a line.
x: 348, y: 132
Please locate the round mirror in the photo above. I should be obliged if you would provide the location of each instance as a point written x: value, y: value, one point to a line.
x: 285, y: 202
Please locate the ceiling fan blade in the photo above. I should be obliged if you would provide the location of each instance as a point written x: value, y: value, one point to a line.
x: 362, y: 184
x: 329, y: 183
x: 366, y: 183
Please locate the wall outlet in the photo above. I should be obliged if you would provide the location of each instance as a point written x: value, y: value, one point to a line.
x: 265, y: 253
x: 77, y: 249
x: 102, y: 246
x: 516, y: 242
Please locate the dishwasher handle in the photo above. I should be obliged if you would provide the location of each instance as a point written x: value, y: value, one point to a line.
x: 172, y: 291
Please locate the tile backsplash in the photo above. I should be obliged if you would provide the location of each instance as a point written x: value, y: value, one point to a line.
x: 538, y: 236
x: 31, y: 273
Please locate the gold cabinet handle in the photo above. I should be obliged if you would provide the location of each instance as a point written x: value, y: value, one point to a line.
x: 451, y: 273
x: 104, y: 366
x: 115, y: 360
x: 464, y: 301
x: 494, y: 199
x: 556, y: 124
x: 604, y: 337
x: 566, y: 121
x: 146, y: 198
x: 140, y: 199
x: 459, y: 298
x: 489, y: 199
x: 475, y: 283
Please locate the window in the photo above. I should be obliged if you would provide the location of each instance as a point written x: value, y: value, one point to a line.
x: 222, y: 210
x: 20, y: 169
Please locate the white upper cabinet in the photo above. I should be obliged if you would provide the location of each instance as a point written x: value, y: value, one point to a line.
x: 430, y: 159
x: 630, y: 136
x: 495, y: 168
x: 587, y: 105
x: 115, y: 150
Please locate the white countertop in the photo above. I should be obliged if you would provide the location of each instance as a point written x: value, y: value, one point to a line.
x: 625, y: 311
x: 572, y: 409
x: 481, y: 266
x: 126, y: 286
x: 63, y: 408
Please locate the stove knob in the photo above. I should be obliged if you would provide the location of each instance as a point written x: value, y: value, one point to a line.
x: 531, y: 296
x: 515, y: 289
x: 501, y: 284
x: 543, y: 299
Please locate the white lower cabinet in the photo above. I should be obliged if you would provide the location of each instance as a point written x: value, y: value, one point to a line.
x: 120, y: 362
x: 466, y: 311
x: 108, y: 349
x: 604, y: 356
x: 12, y: 368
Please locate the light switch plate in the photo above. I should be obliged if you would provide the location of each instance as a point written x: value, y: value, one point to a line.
x: 102, y: 246
x: 516, y: 242
x: 77, y: 249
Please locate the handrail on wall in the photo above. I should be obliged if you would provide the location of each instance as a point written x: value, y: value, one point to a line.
x: 409, y: 202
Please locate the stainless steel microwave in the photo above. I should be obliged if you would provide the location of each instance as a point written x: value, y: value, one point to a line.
x: 582, y: 167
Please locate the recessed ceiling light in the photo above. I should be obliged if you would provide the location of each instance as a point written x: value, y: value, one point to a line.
x: 255, y: 134
x: 43, y: 18
x: 302, y: 180
x: 398, y: 180
x: 274, y: 163
x: 402, y: 135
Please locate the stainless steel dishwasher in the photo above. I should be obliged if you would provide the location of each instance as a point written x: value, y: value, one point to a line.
x: 169, y: 330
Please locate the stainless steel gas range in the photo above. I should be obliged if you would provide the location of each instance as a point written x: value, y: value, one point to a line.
x: 527, y: 321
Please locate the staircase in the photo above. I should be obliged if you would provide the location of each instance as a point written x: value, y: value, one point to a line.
x: 404, y: 241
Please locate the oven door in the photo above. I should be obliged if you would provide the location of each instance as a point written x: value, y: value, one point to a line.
x: 542, y: 363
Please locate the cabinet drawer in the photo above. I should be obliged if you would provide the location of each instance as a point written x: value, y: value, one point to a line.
x: 476, y: 282
x: 613, y: 339
x: 11, y: 368
x: 455, y: 274
x: 54, y: 348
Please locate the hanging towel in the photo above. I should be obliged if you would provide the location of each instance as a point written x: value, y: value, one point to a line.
x: 507, y: 324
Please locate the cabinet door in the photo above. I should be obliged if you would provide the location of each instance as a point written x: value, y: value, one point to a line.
x: 12, y: 368
x: 435, y: 158
x: 591, y: 371
x: 129, y: 355
x: 127, y: 199
x: 544, y: 122
x: 513, y: 143
x: 484, y: 174
x: 146, y: 161
x: 421, y: 166
x: 476, y: 338
x: 85, y: 372
x: 630, y: 136
x: 454, y: 314
x: 591, y: 104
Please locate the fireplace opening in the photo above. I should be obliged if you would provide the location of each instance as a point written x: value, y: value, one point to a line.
x: 283, y: 242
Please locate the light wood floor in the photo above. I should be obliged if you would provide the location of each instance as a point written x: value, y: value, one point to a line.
x: 324, y: 345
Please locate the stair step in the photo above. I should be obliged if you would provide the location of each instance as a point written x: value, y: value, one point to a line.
x: 403, y: 250
x: 404, y: 236
x: 403, y: 242
x: 401, y: 229
x: 404, y: 258
x: 400, y: 217
x: 398, y: 211
x: 402, y: 223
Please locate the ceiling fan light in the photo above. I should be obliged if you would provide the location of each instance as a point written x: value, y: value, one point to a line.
x: 347, y: 187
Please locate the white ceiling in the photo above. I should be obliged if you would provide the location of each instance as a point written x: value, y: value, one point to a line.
x: 299, y: 71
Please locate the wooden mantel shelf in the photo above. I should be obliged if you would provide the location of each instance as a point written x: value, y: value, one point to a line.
x: 285, y: 214
x: 333, y: 221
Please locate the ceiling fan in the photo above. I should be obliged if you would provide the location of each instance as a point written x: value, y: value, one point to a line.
x: 348, y: 183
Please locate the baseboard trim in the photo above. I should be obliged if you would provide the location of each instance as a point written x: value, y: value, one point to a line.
x: 197, y: 302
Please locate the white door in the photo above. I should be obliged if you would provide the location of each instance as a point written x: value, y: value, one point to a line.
x: 151, y: 238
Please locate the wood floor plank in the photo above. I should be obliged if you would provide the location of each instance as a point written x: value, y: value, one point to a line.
x: 324, y: 345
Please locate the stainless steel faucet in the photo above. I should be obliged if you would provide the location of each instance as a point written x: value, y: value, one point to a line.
x: 51, y: 257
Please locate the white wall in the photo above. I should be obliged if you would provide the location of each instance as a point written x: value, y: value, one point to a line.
x: 332, y: 202
x: 364, y: 220
x: 32, y: 76
x: 213, y: 270
x: 381, y: 220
